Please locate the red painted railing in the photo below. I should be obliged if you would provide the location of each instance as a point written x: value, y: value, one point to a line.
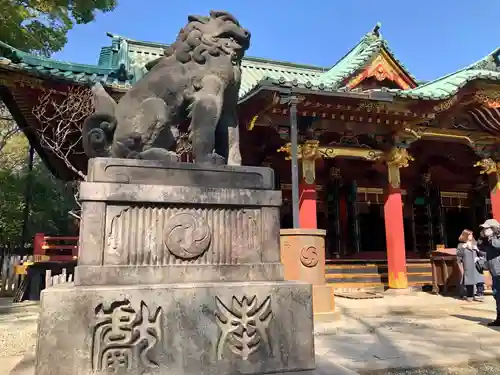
x: 56, y: 249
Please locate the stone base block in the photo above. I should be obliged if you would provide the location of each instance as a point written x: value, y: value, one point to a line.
x: 323, y: 298
x: 177, y: 273
x: 182, y: 329
x: 303, y: 254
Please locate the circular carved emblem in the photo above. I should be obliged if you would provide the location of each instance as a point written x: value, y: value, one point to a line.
x: 309, y: 256
x: 187, y: 235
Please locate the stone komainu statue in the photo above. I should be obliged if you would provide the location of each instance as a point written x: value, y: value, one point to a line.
x: 198, y: 79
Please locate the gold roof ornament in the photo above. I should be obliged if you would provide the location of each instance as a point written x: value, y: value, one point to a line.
x: 399, y: 157
x: 395, y: 159
x: 488, y: 166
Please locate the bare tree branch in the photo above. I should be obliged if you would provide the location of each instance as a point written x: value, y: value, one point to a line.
x: 75, y: 188
x: 61, y: 123
x: 60, y: 130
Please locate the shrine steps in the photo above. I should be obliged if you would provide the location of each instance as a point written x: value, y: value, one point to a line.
x: 352, y: 275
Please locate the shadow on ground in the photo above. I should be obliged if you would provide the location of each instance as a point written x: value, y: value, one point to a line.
x: 25, y: 367
x: 402, y: 341
x: 489, y: 368
x: 477, y: 319
x: 398, y: 341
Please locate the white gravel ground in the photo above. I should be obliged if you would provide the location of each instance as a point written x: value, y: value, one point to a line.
x: 17, y: 333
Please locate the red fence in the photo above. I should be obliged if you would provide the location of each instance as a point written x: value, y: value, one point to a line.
x: 57, y: 249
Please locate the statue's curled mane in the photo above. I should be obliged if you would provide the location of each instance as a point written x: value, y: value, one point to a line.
x: 202, y: 37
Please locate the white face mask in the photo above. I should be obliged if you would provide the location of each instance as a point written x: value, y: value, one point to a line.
x: 488, y: 232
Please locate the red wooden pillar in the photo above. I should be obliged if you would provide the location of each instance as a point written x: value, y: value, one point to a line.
x: 308, y: 205
x: 307, y: 187
x: 394, y: 233
x: 394, y: 230
x: 495, y: 195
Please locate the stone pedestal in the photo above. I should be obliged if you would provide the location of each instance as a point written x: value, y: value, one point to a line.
x: 303, y: 257
x: 179, y: 273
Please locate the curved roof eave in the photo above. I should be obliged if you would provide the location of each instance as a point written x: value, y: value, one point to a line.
x: 13, y: 59
x: 290, y: 88
x: 358, y: 58
x: 442, y: 88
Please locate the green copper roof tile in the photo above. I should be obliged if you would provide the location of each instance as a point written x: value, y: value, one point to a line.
x: 81, y: 73
x: 255, y: 70
x: 352, y: 62
x: 487, y: 68
x: 357, y: 59
x: 125, y: 60
x: 122, y: 64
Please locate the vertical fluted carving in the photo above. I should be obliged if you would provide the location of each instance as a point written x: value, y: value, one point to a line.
x: 136, y: 236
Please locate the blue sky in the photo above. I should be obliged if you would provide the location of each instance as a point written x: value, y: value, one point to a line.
x: 431, y: 37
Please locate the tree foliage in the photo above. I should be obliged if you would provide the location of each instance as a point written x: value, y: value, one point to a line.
x: 41, y: 26
x: 50, y: 199
x: 13, y: 143
x: 50, y: 202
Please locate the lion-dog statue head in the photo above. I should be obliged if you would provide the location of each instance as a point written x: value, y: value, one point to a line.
x: 216, y: 35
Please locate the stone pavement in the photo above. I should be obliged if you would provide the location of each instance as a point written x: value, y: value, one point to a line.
x: 17, y: 332
x: 370, y: 337
x: 403, y: 332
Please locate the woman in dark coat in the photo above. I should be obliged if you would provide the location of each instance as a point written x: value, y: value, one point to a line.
x: 468, y: 255
x: 489, y: 243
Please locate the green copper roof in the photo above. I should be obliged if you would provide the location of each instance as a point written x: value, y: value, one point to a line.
x: 316, y: 78
x: 352, y: 62
x: 122, y: 64
x: 15, y: 59
x: 488, y: 68
x: 254, y: 70
x: 357, y: 59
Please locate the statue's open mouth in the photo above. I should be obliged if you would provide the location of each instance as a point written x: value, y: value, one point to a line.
x: 237, y: 55
x: 238, y: 39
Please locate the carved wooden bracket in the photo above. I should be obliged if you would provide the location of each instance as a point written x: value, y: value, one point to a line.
x: 395, y: 159
x: 483, y: 144
x: 310, y: 151
x: 446, y: 105
x: 488, y: 166
x: 424, y: 132
x: 398, y: 157
x: 488, y: 98
x: 330, y: 152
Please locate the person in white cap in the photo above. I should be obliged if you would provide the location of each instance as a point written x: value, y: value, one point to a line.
x: 490, y: 244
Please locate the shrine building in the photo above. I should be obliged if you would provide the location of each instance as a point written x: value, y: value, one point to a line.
x: 391, y: 167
